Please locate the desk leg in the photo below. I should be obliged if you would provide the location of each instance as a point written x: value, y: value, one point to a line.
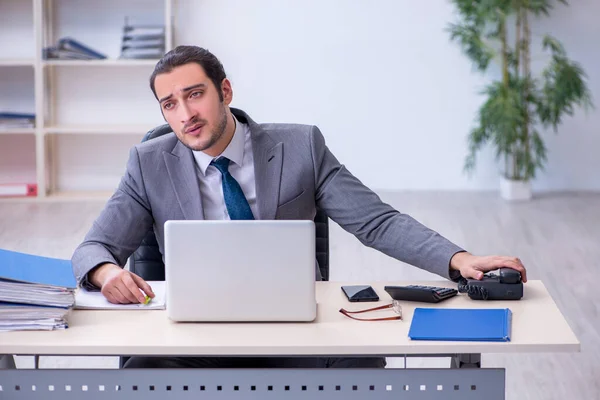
x: 7, y: 362
x: 466, y: 361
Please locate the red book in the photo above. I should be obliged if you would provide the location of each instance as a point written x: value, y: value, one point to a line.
x: 18, y: 189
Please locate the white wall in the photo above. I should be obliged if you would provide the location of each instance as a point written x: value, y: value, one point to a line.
x: 394, y: 98
x: 16, y: 21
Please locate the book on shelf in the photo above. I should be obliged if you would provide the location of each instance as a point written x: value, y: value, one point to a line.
x: 68, y: 48
x: 18, y: 189
x: 16, y: 120
x: 36, y: 292
x: 142, y: 41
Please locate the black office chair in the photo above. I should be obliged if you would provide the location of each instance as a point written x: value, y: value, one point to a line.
x: 147, y: 261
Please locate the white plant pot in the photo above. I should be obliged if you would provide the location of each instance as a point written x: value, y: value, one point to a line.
x: 513, y: 190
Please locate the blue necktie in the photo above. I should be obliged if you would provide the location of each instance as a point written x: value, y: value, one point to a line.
x: 237, y: 205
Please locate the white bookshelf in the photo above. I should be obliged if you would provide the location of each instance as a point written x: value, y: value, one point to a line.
x: 88, y: 112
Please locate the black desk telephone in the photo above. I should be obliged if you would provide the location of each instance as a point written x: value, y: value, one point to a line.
x: 506, y: 285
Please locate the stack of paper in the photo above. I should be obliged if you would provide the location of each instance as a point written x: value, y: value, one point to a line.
x: 15, y: 316
x: 35, y: 292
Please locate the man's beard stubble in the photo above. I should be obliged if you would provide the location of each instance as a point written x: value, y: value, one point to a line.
x: 215, y: 135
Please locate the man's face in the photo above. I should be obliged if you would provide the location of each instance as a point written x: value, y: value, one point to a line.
x: 191, y: 105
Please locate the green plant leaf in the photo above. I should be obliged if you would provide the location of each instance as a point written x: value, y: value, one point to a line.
x: 518, y: 104
x: 498, y: 121
x: 469, y: 38
x: 564, y: 86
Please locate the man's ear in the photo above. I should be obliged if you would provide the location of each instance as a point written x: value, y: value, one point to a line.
x: 227, y: 91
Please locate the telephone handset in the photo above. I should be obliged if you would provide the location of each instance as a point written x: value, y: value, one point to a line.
x: 506, y: 285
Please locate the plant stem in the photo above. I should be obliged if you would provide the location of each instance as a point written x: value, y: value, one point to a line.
x: 505, y: 71
x: 518, y: 4
x: 505, y: 75
x: 526, y: 73
x: 518, y: 40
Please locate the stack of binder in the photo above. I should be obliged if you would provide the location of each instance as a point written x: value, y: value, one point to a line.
x: 68, y: 48
x: 36, y: 293
x: 10, y: 120
x: 143, y: 41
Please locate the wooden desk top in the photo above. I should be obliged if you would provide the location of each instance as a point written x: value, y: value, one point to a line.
x: 537, y: 326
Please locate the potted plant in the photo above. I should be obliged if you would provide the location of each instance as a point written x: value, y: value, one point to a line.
x: 520, y: 102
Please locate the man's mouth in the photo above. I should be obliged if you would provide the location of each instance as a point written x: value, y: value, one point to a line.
x: 194, y: 130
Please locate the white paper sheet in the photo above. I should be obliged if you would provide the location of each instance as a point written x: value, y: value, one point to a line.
x: 86, y: 300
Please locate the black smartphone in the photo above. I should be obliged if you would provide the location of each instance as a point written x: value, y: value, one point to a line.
x: 360, y: 293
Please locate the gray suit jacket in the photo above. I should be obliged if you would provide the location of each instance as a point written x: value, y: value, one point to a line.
x: 295, y: 173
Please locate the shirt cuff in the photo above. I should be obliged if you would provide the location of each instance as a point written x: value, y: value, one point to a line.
x: 87, y: 285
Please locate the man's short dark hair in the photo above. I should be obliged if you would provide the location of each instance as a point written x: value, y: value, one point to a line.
x: 181, y: 55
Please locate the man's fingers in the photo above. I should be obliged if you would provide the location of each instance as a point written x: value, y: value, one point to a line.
x: 143, y: 285
x: 126, y: 293
x: 472, y: 273
x: 117, y: 296
x: 510, y: 262
x: 110, y: 297
x: 522, y: 269
x: 517, y: 265
x: 133, y: 288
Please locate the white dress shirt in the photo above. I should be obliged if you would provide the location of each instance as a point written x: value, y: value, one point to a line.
x: 241, y: 167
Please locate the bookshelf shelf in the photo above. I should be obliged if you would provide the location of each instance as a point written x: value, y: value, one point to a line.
x: 17, y: 62
x: 80, y: 195
x: 17, y: 131
x: 100, y: 63
x: 98, y: 129
x: 86, y: 119
x: 62, y: 196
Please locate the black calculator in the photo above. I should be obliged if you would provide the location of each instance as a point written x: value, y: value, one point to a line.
x: 427, y: 294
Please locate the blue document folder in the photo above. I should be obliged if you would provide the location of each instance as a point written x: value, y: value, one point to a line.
x: 28, y: 268
x: 457, y: 324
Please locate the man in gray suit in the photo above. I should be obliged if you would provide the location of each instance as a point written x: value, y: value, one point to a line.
x: 220, y: 164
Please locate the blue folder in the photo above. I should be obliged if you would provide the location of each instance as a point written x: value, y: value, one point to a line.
x: 458, y: 324
x: 21, y: 267
x: 13, y: 115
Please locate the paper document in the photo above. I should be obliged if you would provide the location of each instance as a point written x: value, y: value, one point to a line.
x: 86, y: 300
x: 16, y: 317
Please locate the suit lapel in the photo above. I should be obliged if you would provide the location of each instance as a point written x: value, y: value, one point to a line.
x: 182, y: 171
x: 268, y: 159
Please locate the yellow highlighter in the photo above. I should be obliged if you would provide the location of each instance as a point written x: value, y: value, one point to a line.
x: 147, y: 299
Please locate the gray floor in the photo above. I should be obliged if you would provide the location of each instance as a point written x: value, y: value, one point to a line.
x: 556, y: 235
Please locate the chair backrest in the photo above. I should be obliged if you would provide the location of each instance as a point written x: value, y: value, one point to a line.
x: 147, y: 262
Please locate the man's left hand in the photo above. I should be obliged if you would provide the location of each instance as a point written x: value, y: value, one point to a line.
x: 473, y: 267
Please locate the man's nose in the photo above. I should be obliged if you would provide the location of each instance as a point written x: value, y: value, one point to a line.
x: 186, y: 113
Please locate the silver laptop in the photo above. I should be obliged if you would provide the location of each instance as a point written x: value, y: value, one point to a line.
x: 261, y: 270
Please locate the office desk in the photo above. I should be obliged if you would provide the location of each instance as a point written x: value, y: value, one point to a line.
x: 537, y: 326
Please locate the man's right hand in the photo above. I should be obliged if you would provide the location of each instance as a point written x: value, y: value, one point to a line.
x: 118, y: 285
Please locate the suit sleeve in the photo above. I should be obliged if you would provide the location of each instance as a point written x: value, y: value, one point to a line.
x: 120, y: 227
x: 361, y: 212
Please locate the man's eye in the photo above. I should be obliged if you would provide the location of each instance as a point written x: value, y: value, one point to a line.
x: 167, y: 106
x: 195, y: 94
